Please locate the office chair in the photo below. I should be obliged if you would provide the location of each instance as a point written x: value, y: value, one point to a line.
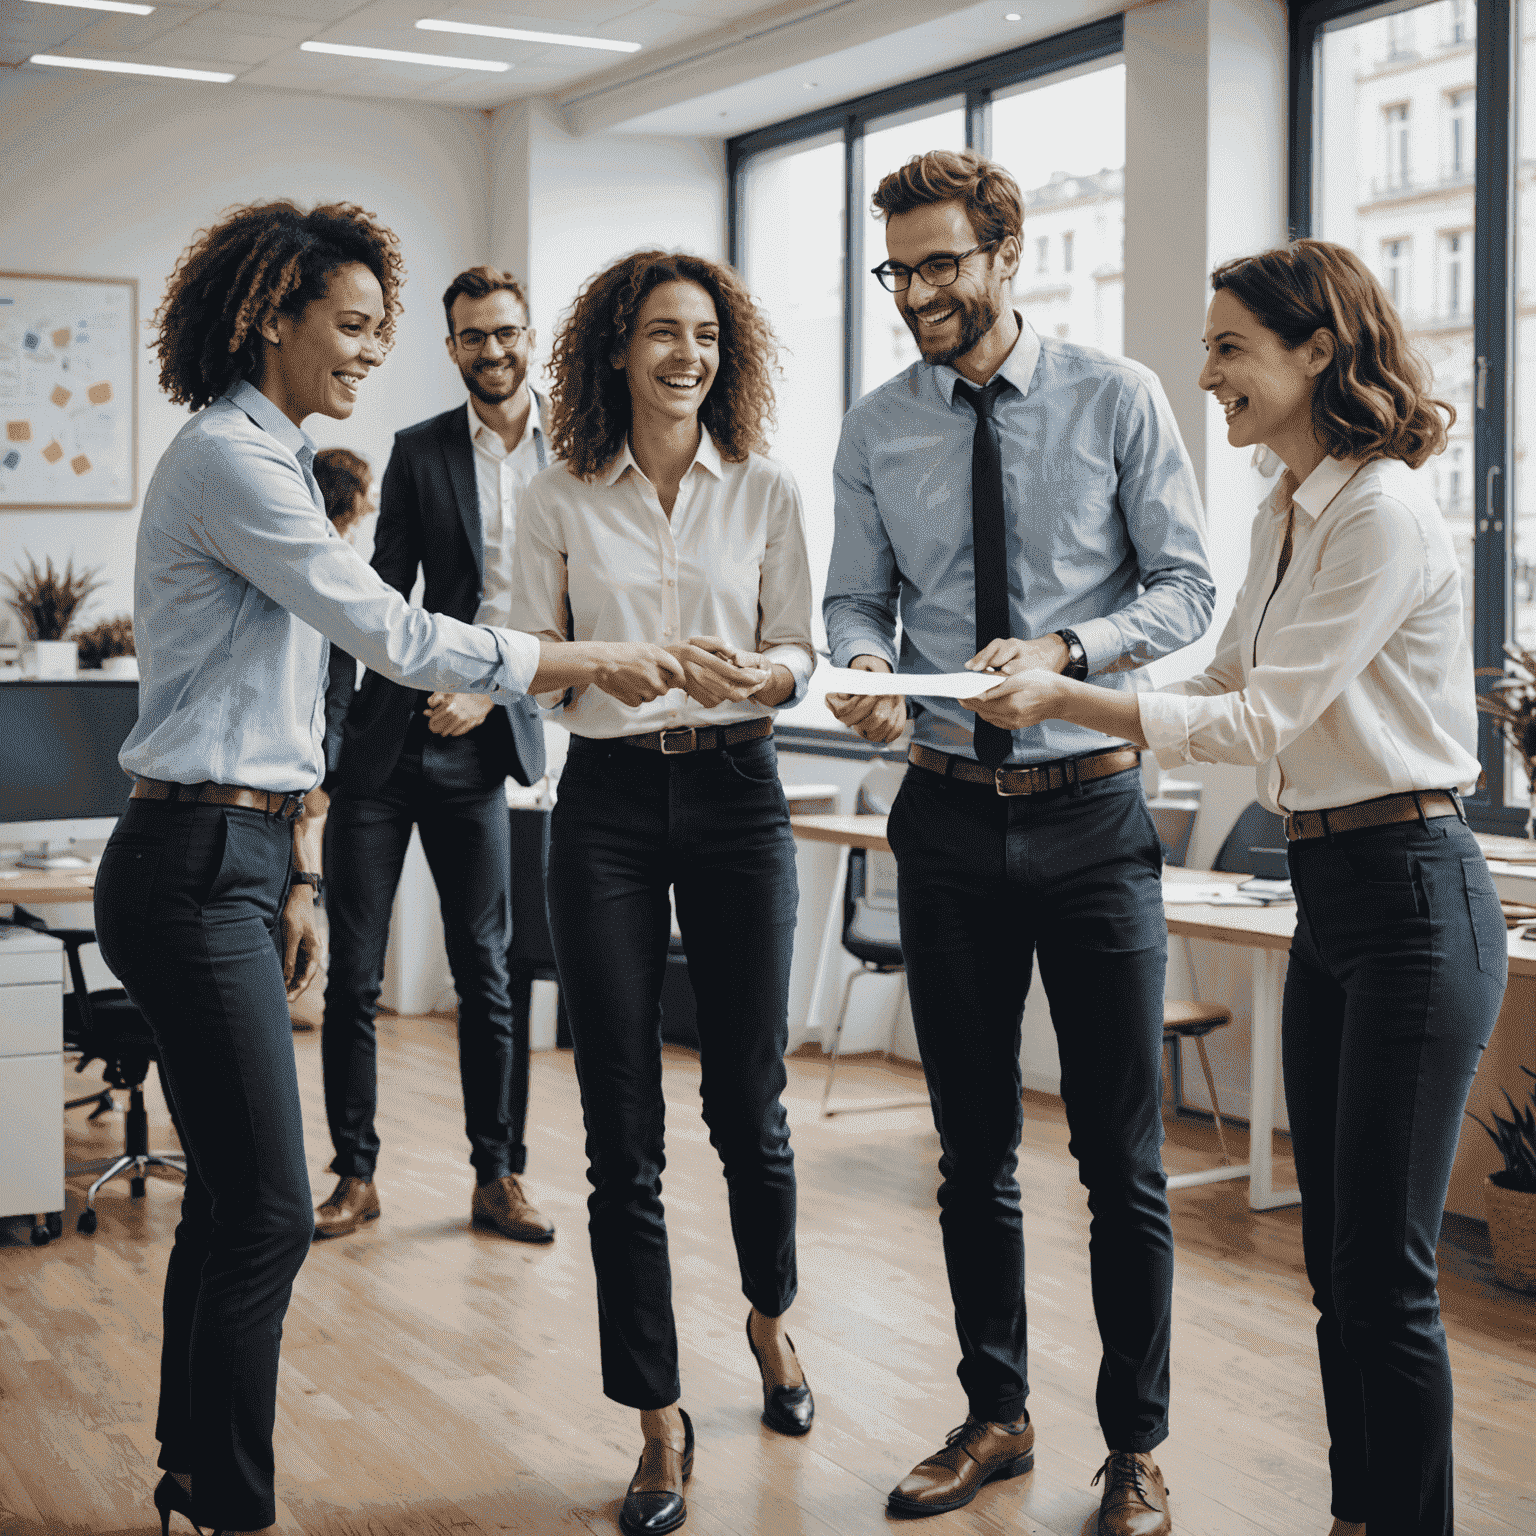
x: 1256, y: 845
x: 871, y: 928
x: 104, y: 1026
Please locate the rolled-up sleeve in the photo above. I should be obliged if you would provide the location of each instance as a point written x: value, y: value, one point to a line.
x: 784, y: 590
x: 538, y: 599
x: 863, y: 587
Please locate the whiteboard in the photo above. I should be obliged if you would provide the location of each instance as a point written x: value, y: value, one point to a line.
x: 68, y: 391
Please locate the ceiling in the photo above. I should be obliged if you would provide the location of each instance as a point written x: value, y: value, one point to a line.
x: 714, y: 67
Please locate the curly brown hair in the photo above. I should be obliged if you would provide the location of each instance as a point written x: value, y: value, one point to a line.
x: 1373, y: 401
x: 344, y: 479
x: 589, y: 397
x: 260, y: 260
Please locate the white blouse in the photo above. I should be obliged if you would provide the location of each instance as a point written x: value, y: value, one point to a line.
x: 1353, y: 678
x: 730, y: 562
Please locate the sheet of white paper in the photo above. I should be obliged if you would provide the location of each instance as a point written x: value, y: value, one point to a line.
x: 933, y: 685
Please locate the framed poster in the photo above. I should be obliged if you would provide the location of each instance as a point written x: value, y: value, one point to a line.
x: 68, y: 392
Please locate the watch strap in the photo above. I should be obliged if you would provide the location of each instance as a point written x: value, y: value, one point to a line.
x: 1077, y: 657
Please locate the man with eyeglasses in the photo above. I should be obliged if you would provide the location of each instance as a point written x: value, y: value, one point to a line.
x: 439, y: 762
x: 1021, y: 502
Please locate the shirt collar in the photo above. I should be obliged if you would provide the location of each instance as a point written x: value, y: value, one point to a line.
x: 1018, y: 367
x: 1316, y: 493
x: 271, y: 420
x: 707, y: 458
x: 531, y: 429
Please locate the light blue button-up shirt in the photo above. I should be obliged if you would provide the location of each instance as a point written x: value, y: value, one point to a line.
x: 1105, y: 531
x: 240, y: 585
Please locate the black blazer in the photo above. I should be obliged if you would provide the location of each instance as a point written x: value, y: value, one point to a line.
x: 429, y: 519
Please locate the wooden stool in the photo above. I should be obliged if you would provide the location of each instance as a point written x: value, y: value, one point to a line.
x: 1194, y: 1021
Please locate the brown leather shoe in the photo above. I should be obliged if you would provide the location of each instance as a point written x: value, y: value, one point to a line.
x: 1135, y: 1501
x: 351, y: 1203
x: 973, y: 1456
x: 503, y: 1204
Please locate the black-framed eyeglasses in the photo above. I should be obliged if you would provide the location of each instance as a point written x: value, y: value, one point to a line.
x: 507, y: 335
x: 937, y: 271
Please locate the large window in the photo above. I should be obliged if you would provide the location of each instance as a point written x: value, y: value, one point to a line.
x: 803, y: 234
x: 1413, y: 145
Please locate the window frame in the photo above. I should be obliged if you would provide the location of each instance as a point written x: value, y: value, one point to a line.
x: 1493, y: 350
x: 977, y: 82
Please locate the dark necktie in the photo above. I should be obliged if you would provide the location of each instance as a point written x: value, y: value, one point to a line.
x: 992, y: 742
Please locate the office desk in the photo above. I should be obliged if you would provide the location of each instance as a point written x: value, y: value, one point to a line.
x: 1264, y: 931
x: 45, y: 887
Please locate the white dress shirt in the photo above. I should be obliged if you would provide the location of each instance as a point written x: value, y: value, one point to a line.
x: 1357, y: 680
x: 730, y: 562
x: 501, y: 477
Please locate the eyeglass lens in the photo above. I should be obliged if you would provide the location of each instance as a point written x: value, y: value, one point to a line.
x: 507, y: 335
x: 940, y: 272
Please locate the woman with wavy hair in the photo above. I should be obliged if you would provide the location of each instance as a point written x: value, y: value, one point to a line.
x: 1345, y: 676
x: 204, y: 898
x: 665, y: 523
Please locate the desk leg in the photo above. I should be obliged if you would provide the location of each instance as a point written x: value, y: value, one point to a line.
x: 831, y: 936
x: 1268, y: 989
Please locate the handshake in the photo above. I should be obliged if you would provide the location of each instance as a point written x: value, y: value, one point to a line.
x: 635, y: 672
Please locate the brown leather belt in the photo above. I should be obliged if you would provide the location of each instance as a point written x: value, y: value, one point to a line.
x: 1386, y: 812
x: 273, y: 801
x: 700, y: 738
x: 1034, y: 780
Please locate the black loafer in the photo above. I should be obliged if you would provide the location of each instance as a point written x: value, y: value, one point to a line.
x: 654, y: 1511
x: 788, y: 1410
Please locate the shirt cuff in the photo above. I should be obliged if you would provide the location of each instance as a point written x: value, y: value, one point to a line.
x: 799, y: 665
x: 1165, y: 724
x: 519, y: 661
x: 844, y: 650
x: 1101, y: 643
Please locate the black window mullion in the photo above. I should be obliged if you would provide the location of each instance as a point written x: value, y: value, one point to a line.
x: 853, y: 259
x: 978, y: 122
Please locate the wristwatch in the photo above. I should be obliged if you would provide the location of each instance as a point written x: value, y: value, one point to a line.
x: 1077, y: 657
x: 308, y: 877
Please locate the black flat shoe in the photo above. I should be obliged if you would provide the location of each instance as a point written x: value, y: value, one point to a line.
x: 171, y: 1498
x: 788, y: 1410
x: 654, y: 1511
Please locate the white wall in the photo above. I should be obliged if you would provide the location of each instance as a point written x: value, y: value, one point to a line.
x: 114, y: 177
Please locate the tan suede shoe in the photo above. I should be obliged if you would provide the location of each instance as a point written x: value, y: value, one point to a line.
x: 351, y: 1203
x: 973, y: 1456
x: 503, y: 1204
x: 1135, y: 1501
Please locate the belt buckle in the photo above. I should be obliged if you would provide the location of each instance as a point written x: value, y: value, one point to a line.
x: 1013, y: 794
x: 679, y: 730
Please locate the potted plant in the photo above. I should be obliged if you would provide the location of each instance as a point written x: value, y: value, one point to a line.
x: 1510, y: 1194
x: 46, y: 602
x: 1512, y: 703
x: 109, y: 646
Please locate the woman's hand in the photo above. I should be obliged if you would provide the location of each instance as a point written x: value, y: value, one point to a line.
x: 879, y: 717
x: 1025, y: 699
x: 717, y: 672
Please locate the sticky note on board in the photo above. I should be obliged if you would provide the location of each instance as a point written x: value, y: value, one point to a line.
x: 61, y: 336
x: 99, y: 394
x: 60, y: 396
x: 18, y: 431
x: 53, y: 453
x: 80, y: 464
x: 31, y: 341
x: 11, y: 460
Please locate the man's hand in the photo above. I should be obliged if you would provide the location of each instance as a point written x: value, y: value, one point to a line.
x: 456, y: 714
x: 301, y: 940
x: 1047, y: 654
x: 718, y: 672
x: 635, y: 672
x: 876, y: 717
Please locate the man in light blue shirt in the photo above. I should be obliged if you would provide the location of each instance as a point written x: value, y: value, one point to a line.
x: 1019, y: 502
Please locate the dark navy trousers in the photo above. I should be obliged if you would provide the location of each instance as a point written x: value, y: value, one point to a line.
x: 986, y: 885
x: 1396, y: 975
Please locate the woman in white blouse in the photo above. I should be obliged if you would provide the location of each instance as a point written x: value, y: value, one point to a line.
x: 1345, y: 676
x: 663, y: 520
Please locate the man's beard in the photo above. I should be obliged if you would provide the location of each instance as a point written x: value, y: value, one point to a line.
x: 977, y: 317
x: 484, y: 393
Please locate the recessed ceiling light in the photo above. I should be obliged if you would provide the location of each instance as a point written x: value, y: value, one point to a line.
x: 397, y: 56
x: 100, y: 5
x: 809, y: 85
x: 519, y: 35
x: 1013, y: 16
x: 118, y: 67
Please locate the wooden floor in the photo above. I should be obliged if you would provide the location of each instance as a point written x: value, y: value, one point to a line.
x: 438, y: 1379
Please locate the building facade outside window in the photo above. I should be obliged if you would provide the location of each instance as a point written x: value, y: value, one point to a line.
x: 1460, y: 129
x: 1397, y: 148
x: 1395, y: 268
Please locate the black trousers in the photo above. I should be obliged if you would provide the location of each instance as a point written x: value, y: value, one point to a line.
x: 986, y: 884
x: 441, y: 786
x: 187, y: 906
x: 714, y: 827
x: 1396, y: 974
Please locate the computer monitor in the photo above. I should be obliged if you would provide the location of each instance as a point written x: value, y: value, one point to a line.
x: 59, y: 776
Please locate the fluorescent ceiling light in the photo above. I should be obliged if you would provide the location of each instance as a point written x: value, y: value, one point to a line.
x: 117, y: 67
x: 395, y: 55
x: 100, y: 5
x: 518, y: 35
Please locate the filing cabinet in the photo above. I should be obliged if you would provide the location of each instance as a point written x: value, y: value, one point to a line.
x: 32, y: 1079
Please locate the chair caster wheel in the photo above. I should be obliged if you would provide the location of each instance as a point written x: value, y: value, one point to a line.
x: 86, y: 1223
x: 41, y: 1236
x: 136, y: 1188
x: 55, y: 1223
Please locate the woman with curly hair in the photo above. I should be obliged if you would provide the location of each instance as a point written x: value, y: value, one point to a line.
x: 204, y: 898
x: 666, y: 524
x: 1345, y: 676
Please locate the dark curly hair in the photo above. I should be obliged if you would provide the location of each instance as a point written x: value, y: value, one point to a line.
x: 344, y: 479
x: 589, y: 397
x: 1373, y: 401
x: 260, y: 260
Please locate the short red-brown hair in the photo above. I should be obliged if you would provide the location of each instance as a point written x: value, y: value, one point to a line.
x: 475, y: 283
x: 991, y: 196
